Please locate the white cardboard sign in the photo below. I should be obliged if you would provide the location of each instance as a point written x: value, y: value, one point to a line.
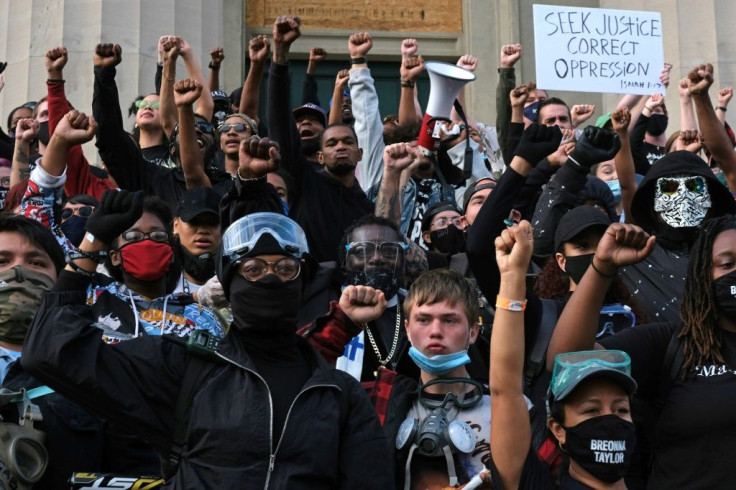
x: 598, y: 50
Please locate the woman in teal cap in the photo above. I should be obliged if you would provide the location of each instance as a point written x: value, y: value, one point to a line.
x: 588, y: 403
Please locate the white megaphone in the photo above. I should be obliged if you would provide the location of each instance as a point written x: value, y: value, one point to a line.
x: 445, y: 81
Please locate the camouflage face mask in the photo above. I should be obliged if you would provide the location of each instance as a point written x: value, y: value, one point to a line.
x: 20, y: 295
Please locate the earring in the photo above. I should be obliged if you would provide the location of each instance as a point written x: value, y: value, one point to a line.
x: 559, y: 443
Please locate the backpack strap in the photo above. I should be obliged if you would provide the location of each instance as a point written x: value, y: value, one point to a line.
x: 537, y: 357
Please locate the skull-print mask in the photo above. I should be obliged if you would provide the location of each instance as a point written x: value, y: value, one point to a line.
x: 682, y: 201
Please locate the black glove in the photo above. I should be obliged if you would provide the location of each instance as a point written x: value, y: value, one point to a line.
x: 595, y: 145
x: 537, y: 142
x: 117, y: 212
x: 3, y: 65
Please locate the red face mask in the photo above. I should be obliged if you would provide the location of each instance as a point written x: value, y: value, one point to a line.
x: 146, y: 260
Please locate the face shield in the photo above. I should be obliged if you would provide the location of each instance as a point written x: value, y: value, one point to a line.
x: 374, y: 257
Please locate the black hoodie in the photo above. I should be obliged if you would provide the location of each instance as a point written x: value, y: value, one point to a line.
x: 657, y: 282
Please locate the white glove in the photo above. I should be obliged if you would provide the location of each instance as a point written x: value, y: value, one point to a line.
x: 211, y: 294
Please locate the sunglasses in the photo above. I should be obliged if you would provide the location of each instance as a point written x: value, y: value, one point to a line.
x: 137, y: 236
x: 82, y: 212
x: 670, y: 186
x: 144, y: 104
x: 204, y: 127
x: 238, y: 127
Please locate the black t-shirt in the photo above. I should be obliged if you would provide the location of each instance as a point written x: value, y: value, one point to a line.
x: 534, y: 475
x: 697, y: 428
x: 158, y: 155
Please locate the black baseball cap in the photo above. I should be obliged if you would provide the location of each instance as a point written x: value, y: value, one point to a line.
x: 478, y: 185
x: 436, y: 209
x: 195, y: 202
x: 313, y: 109
x: 578, y: 220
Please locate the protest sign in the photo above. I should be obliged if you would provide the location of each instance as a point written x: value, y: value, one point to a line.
x: 598, y: 50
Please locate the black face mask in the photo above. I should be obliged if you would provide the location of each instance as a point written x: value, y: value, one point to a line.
x: 724, y: 290
x: 381, y: 278
x: 200, y: 267
x: 448, y: 240
x: 73, y: 229
x: 577, y: 265
x: 266, y: 307
x: 43, y: 133
x: 311, y: 146
x: 657, y: 124
x: 602, y: 446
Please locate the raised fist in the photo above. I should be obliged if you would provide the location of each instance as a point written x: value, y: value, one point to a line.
x: 362, y: 304
x: 581, y: 113
x: 75, y: 128
x: 690, y: 140
x: 217, y: 55
x: 117, y: 212
x: 359, y: 44
x: 286, y: 29
x: 595, y: 145
x: 510, y: 54
x: 185, y: 49
x: 621, y: 245
x: 186, y: 92
x: 108, y: 55
x: 724, y: 96
x: 620, y: 120
x: 258, y: 48
x: 398, y: 156
x: 701, y: 78
x: 341, y: 80
x: 409, y: 47
x: 257, y: 157
x: 317, y: 54
x: 56, y: 60
x: 411, y: 68
x: 468, y: 62
x: 654, y: 101
x: 537, y: 141
x: 26, y: 130
x: 519, y: 96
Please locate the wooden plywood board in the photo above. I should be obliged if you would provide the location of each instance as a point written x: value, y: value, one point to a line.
x: 361, y: 15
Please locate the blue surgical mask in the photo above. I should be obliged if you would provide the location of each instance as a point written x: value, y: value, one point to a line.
x: 439, y: 364
x: 530, y: 111
x: 615, y: 187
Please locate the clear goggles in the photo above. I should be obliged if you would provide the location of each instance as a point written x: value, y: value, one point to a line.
x: 572, y: 368
x: 242, y: 236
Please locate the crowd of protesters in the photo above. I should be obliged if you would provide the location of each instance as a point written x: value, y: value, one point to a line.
x: 316, y: 299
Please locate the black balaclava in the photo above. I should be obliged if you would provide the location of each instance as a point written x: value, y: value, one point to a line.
x: 269, y: 307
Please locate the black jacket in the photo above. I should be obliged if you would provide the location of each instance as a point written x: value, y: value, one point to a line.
x: 321, y: 205
x: 229, y: 437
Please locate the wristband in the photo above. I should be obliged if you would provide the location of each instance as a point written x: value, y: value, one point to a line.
x: 78, y: 269
x: 510, y: 304
x: 721, y: 108
x: 243, y: 179
x: 357, y: 61
x: 97, y: 257
x: 61, y: 80
x: 213, y: 66
x: 607, y: 276
x: 407, y: 83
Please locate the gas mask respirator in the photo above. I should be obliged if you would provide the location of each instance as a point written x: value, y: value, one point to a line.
x: 436, y: 432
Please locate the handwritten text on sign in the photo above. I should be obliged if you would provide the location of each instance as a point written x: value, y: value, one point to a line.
x: 598, y: 50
